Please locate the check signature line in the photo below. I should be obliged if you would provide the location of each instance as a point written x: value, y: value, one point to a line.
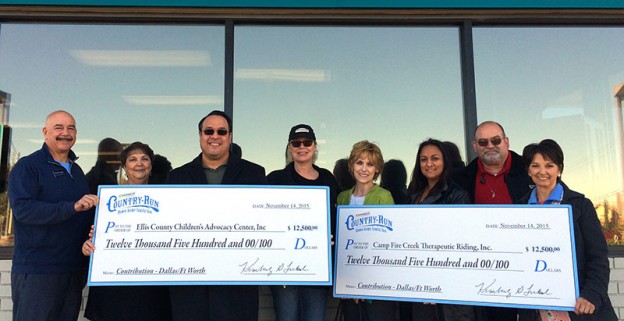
x: 275, y: 273
x: 520, y: 296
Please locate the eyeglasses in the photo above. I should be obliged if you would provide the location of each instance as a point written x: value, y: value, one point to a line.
x: 220, y: 132
x: 483, y: 142
x: 297, y: 143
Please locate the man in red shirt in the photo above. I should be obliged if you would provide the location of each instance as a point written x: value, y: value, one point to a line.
x: 496, y: 176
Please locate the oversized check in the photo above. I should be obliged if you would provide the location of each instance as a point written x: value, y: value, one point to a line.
x: 191, y: 234
x: 512, y: 256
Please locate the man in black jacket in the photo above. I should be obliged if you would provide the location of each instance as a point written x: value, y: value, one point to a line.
x: 216, y: 165
x: 496, y: 176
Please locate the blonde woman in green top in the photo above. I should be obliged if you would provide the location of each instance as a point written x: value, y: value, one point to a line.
x: 365, y: 165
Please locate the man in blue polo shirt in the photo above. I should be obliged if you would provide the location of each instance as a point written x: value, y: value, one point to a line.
x: 52, y: 214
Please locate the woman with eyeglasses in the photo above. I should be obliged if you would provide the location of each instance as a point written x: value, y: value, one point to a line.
x: 303, y: 303
x: 131, y: 303
x: 544, y: 163
x: 431, y: 184
x: 365, y: 165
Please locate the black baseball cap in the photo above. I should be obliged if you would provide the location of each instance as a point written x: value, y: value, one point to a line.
x: 301, y: 131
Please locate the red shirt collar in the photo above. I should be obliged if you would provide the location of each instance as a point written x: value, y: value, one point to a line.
x: 504, y: 170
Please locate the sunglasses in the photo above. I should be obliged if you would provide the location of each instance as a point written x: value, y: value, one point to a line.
x: 210, y: 132
x: 297, y: 143
x: 483, y: 142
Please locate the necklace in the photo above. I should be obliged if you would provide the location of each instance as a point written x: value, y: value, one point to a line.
x: 492, y: 190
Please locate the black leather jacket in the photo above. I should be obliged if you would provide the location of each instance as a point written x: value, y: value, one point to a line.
x: 451, y: 194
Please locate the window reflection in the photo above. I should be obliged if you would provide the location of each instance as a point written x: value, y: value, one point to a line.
x: 392, y: 86
x: 132, y: 83
x: 559, y: 83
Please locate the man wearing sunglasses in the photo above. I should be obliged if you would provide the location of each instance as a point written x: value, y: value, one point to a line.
x: 216, y: 164
x: 496, y: 176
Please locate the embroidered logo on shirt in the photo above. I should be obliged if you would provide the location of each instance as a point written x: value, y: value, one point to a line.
x: 58, y: 173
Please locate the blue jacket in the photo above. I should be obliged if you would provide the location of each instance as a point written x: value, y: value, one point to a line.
x: 48, y: 231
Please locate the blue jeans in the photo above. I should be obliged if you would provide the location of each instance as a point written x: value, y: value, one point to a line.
x: 299, y: 303
x: 51, y: 297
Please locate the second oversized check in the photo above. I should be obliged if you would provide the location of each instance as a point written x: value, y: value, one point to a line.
x: 518, y: 256
x: 211, y: 235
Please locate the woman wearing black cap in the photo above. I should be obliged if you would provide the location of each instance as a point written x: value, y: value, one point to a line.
x: 303, y: 303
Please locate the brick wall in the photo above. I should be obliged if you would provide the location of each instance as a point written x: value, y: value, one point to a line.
x: 616, y: 293
x: 6, y: 305
x: 616, y: 285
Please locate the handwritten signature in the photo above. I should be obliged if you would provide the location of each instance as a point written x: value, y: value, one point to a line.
x: 531, y: 291
x: 255, y: 267
x: 524, y: 290
x: 291, y: 267
x: 283, y: 268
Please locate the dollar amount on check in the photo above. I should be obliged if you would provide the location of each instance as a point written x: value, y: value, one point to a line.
x: 211, y: 235
x: 514, y: 256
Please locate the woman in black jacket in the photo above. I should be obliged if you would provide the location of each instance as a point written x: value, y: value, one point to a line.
x: 545, y: 165
x: 303, y: 303
x: 431, y: 185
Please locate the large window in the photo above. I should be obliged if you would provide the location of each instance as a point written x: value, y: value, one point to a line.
x: 132, y: 83
x: 559, y: 83
x: 393, y: 86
